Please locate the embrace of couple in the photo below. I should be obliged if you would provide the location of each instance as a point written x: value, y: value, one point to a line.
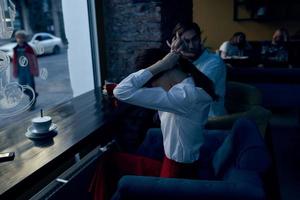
x: 186, y: 86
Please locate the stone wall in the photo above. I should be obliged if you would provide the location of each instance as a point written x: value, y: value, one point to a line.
x: 133, y: 25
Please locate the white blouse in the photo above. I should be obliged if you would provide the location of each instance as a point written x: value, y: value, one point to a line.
x: 183, y: 111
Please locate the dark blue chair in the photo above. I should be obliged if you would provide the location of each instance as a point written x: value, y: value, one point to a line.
x: 233, y: 167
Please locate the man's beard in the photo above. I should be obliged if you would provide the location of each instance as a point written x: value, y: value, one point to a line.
x: 192, y: 55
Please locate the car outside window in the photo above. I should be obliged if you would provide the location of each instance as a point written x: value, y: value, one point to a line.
x: 38, y: 38
x: 45, y: 37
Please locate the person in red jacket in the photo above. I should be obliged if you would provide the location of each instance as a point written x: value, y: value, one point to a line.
x: 25, y: 64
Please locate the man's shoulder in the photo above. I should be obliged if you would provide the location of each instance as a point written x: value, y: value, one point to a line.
x: 208, y: 57
x: 213, y: 57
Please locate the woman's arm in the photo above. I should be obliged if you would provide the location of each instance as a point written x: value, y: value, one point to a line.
x: 177, y: 100
x: 168, y: 62
x: 131, y: 89
x: 223, y: 49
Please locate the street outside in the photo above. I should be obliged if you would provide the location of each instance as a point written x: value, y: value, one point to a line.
x: 56, y: 88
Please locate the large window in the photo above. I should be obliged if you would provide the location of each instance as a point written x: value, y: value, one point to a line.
x: 59, y: 33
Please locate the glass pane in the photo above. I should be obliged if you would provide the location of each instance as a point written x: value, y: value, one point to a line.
x: 35, y: 56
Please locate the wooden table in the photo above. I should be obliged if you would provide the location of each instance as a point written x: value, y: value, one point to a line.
x: 81, y: 123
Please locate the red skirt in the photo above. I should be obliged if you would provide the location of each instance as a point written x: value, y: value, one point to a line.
x: 115, y: 165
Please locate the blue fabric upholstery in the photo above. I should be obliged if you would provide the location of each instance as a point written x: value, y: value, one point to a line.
x: 246, y: 176
x: 237, y: 165
x: 152, y: 147
x: 155, y: 188
x: 244, y: 149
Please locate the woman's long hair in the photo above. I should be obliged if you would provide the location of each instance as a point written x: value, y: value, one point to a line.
x: 235, y: 35
x: 200, y: 79
x: 150, y: 56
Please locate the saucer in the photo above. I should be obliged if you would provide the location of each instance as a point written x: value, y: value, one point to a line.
x: 39, y: 136
x: 33, y: 136
x: 32, y: 130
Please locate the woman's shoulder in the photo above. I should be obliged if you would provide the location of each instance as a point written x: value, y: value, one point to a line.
x: 224, y: 45
x: 187, y: 89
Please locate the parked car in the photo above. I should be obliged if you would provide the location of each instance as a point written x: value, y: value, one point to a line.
x: 42, y: 43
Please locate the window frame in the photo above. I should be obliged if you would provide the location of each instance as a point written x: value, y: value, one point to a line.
x: 94, y: 43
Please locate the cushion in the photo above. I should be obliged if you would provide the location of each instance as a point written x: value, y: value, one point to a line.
x: 243, y: 149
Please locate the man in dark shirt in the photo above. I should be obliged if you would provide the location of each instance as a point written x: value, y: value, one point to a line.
x: 276, y: 51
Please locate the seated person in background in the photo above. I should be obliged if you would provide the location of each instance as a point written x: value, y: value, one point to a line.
x: 182, y: 95
x: 236, y: 47
x: 276, y: 51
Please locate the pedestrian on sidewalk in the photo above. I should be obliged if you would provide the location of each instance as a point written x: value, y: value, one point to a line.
x: 25, y: 64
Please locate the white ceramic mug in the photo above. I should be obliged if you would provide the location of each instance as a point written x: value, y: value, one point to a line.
x: 41, y: 124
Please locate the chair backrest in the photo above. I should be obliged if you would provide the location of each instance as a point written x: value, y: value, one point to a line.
x: 241, y: 100
x: 241, y: 97
x: 243, y: 149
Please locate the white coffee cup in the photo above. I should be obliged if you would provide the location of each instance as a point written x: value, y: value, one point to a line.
x: 41, y: 124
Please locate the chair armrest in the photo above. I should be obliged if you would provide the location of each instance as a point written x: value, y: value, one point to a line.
x: 223, y: 122
x: 257, y: 113
x: 153, y: 188
x: 245, y: 176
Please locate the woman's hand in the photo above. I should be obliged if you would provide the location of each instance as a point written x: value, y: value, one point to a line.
x: 177, y: 44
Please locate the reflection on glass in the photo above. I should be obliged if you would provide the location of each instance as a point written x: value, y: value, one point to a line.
x: 43, y: 73
x: 4, y: 61
x: 13, y: 100
x: 33, y: 80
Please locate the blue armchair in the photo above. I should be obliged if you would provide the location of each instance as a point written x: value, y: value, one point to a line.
x: 234, y: 164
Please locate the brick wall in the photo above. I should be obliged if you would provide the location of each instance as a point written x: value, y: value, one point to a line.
x: 133, y: 25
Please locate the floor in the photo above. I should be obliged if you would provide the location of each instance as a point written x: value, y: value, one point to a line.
x: 285, y: 129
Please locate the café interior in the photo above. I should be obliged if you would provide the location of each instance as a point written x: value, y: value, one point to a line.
x: 86, y: 123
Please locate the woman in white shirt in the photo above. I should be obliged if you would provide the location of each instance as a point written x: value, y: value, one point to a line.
x: 181, y: 100
x: 182, y: 95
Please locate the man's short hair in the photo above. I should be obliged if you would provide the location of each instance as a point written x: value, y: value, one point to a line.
x: 185, y: 26
x: 21, y: 33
